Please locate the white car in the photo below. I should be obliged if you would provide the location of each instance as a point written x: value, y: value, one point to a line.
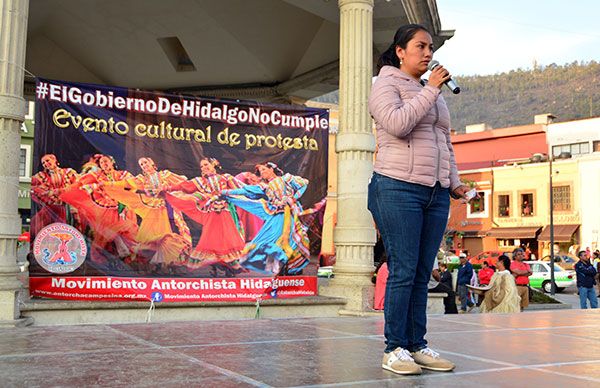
x: 541, y: 276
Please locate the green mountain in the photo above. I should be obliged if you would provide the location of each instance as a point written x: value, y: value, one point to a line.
x: 569, y: 92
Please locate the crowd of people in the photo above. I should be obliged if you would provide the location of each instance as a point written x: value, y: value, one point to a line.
x: 249, y: 222
x: 500, y: 288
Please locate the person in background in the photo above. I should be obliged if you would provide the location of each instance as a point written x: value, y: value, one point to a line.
x: 502, y: 296
x: 409, y: 193
x: 521, y: 271
x: 485, y: 275
x: 527, y: 252
x: 436, y: 285
x: 381, y: 276
x: 586, y: 279
x: 465, y: 273
x: 446, y: 276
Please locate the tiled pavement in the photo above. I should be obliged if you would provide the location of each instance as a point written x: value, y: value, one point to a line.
x: 543, y: 348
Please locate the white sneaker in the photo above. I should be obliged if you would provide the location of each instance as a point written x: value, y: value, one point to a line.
x: 431, y: 360
x: 400, y: 361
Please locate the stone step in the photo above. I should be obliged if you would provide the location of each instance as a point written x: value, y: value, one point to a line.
x: 62, y: 312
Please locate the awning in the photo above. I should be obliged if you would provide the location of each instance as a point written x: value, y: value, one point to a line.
x: 522, y: 232
x: 474, y: 233
x: 562, y: 233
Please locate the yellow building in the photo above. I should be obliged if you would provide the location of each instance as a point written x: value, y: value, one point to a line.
x: 521, y: 205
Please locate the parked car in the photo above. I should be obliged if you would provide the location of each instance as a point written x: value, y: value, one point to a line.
x: 541, y: 276
x: 451, y: 258
x: 490, y: 256
x: 565, y: 261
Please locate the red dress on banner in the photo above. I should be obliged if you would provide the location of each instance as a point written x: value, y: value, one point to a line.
x: 155, y: 230
x: 222, y: 238
x: 109, y: 222
x: 46, y: 187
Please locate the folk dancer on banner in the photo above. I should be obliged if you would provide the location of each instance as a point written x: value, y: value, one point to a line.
x: 222, y: 238
x: 113, y: 226
x: 251, y: 223
x: 159, y: 220
x: 281, y: 245
x: 46, y: 187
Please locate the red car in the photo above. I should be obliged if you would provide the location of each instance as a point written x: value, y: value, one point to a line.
x: 490, y: 256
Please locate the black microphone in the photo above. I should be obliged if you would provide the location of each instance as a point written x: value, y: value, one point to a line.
x: 450, y: 83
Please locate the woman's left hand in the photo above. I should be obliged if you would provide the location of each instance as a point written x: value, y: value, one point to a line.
x: 460, y: 193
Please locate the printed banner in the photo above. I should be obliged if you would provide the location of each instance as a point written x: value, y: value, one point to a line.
x: 145, y: 189
x: 173, y: 289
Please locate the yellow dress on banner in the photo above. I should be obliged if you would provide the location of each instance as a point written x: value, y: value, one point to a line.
x: 155, y: 230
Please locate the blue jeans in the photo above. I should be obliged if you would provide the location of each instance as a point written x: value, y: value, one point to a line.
x: 411, y: 219
x: 586, y: 294
x: 463, y: 295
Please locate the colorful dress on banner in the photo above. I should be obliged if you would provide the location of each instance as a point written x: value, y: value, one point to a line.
x: 159, y: 221
x: 46, y: 187
x: 110, y: 222
x: 251, y: 223
x: 222, y: 238
x: 282, y: 242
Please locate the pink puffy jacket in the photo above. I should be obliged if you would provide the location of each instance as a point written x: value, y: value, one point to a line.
x: 413, y: 131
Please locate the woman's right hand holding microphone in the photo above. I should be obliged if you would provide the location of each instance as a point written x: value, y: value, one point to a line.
x: 439, y: 75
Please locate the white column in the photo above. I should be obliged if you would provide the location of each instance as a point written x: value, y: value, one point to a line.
x: 13, y: 36
x: 354, y: 235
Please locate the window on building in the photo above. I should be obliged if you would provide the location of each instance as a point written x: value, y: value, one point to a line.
x: 596, y: 146
x: 504, y: 206
x: 477, y: 204
x: 24, y: 162
x: 574, y: 149
x: 561, y: 198
x: 507, y: 243
x: 527, y: 205
x: 584, y: 148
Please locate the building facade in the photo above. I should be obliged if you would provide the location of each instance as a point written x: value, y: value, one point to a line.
x: 25, y: 165
x: 512, y: 177
x: 468, y: 225
x: 578, y: 137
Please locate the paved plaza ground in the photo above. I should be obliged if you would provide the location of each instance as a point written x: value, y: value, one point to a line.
x: 538, y: 348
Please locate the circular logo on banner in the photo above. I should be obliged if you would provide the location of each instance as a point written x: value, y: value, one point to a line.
x: 157, y: 296
x: 59, y: 248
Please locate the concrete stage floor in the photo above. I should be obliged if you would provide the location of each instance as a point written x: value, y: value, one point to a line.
x: 542, y: 348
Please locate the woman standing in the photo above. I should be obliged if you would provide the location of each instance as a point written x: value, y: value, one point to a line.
x: 409, y: 194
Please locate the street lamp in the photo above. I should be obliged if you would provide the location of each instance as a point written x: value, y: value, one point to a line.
x: 552, y: 287
x: 563, y: 155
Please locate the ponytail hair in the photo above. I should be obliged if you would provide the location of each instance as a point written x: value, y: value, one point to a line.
x: 403, y: 35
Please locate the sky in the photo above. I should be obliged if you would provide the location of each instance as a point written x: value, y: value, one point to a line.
x: 495, y: 36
